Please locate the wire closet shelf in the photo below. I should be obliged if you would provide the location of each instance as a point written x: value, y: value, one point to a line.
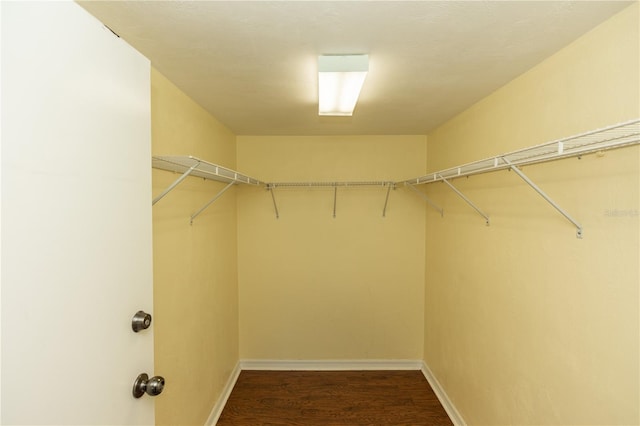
x: 201, y: 168
x: 335, y: 185
x: 192, y: 166
x: 345, y: 184
x: 615, y: 136
x: 611, y: 137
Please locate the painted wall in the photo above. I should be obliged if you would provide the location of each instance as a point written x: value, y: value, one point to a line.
x: 314, y: 287
x: 195, y: 266
x: 525, y: 323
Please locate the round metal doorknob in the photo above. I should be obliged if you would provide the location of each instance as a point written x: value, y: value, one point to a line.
x: 141, y: 321
x: 151, y: 386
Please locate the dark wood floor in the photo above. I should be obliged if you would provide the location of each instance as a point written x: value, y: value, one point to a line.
x: 326, y: 398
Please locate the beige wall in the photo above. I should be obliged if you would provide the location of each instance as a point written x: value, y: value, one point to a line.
x: 521, y: 322
x: 314, y: 287
x: 195, y: 267
x: 525, y: 323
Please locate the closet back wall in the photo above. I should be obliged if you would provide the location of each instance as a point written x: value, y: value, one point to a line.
x: 194, y: 267
x: 314, y: 287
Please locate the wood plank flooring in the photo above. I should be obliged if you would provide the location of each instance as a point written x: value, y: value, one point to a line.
x: 332, y: 398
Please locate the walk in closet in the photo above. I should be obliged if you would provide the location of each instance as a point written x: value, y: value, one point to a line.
x: 177, y: 204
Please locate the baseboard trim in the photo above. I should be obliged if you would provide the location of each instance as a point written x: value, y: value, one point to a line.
x: 224, y: 397
x: 329, y: 365
x: 448, y: 406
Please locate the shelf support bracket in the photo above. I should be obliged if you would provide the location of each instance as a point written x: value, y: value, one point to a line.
x: 273, y: 198
x: 335, y: 197
x: 468, y: 201
x: 193, y: 216
x: 386, y: 200
x: 427, y: 199
x: 545, y: 196
x: 174, y: 184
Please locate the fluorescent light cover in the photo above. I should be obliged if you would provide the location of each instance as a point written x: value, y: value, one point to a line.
x: 340, y: 78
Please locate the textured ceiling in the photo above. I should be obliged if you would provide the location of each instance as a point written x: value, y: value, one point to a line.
x: 253, y: 65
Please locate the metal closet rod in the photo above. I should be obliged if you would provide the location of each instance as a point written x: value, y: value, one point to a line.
x: 611, y: 137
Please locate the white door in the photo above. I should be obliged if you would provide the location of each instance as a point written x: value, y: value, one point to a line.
x: 76, y: 219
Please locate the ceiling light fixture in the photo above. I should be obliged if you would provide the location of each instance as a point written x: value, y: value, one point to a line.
x: 340, y: 78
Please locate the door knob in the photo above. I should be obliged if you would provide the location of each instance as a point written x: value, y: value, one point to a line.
x: 152, y: 386
x: 141, y: 321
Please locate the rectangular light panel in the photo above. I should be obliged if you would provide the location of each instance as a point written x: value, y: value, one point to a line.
x: 340, y: 79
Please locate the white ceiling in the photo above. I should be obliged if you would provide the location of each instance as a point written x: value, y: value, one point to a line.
x: 253, y: 65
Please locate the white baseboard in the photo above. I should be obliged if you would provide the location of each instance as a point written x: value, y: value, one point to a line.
x: 329, y: 365
x: 448, y: 406
x: 226, y: 392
